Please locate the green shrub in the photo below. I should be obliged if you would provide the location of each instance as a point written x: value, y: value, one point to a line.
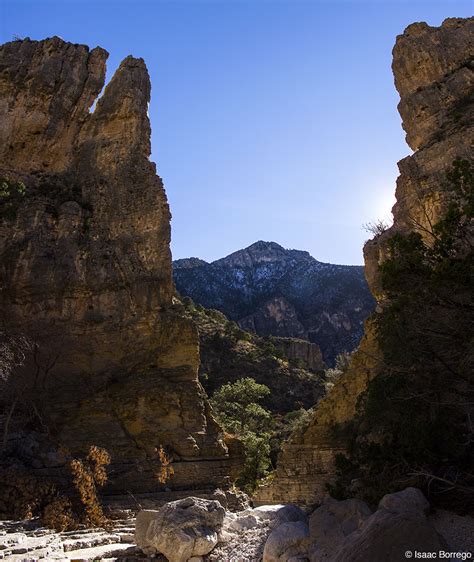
x: 297, y: 420
x: 333, y: 374
x: 12, y: 193
x: 238, y: 409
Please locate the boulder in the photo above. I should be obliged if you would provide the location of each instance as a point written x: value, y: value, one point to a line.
x: 266, y: 512
x: 287, y: 542
x: 142, y: 522
x: 236, y: 499
x: 410, y: 499
x: 289, y: 513
x: 278, y: 514
x: 181, y: 529
x: 267, y: 515
x: 388, y: 535
x: 331, y: 523
x: 220, y: 496
x: 240, y: 522
x: 232, y: 500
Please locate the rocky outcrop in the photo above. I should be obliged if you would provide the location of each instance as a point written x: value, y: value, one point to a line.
x: 86, y: 269
x: 434, y: 74
x: 301, y: 352
x: 285, y: 293
x: 277, y: 317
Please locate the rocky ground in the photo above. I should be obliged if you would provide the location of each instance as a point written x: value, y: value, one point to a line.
x: 28, y: 540
x: 342, y: 531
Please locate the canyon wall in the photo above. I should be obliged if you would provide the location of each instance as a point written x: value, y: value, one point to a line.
x: 434, y: 75
x: 85, y: 270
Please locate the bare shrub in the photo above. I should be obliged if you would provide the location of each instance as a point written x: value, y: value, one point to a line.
x: 166, y: 470
x: 376, y: 228
x: 23, y: 495
x: 332, y: 375
x: 58, y: 515
x: 13, y: 353
x: 88, y: 475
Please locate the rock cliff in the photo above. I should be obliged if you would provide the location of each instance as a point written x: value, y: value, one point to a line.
x: 434, y: 75
x: 301, y: 351
x: 86, y: 269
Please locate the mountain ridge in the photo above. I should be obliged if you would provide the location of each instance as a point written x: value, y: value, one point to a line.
x: 270, y: 290
x: 195, y: 261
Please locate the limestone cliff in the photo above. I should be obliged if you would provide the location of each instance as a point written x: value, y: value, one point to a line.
x: 86, y: 268
x: 301, y: 351
x: 434, y: 75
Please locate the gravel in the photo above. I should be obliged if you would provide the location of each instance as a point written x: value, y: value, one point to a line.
x: 457, y: 530
x: 244, y: 546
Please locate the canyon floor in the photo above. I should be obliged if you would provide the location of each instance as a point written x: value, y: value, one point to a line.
x: 29, y: 540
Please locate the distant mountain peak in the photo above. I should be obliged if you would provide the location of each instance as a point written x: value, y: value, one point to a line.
x: 262, y: 245
x: 260, y: 252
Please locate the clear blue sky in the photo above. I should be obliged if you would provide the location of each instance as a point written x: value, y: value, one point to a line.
x: 271, y: 120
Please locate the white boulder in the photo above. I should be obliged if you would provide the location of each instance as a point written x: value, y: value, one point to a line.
x: 180, y: 530
x: 240, y: 522
x: 278, y: 514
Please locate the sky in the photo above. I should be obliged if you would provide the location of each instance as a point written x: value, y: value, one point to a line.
x: 271, y: 119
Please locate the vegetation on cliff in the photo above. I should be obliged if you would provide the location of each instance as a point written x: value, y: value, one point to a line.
x: 11, y: 195
x: 257, y: 393
x: 415, y: 421
x: 228, y: 353
x: 238, y: 408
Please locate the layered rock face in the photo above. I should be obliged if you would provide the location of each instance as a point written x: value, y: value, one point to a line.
x: 434, y: 75
x: 86, y: 268
x: 302, y: 351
